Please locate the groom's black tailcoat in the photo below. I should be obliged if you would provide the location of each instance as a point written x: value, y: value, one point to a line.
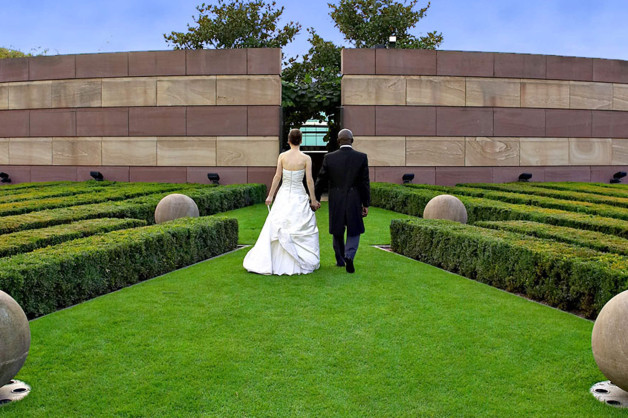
x: 345, y: 174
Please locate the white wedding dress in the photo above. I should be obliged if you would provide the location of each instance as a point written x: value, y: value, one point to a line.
x: 288, y: 243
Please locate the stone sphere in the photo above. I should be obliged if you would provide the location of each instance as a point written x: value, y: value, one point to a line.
x: 445, y: 206
x: 609, y: 340
x: 175, y: 206
x: 15, y: 338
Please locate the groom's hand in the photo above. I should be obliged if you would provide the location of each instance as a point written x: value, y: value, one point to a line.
x: 365, y: 211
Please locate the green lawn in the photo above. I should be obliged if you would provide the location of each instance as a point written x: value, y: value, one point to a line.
x: 397, y: 338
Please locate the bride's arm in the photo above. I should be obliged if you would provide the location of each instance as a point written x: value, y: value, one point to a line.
x: 310, y: 183
x: 276, y: 180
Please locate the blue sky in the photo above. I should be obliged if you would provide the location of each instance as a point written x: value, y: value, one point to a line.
x: 586, y: 28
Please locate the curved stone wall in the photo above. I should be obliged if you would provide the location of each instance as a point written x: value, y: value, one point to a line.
x: 142, y: 116
x: 454, y: 117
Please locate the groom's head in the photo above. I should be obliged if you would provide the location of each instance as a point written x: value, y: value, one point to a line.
x: 345, y: 137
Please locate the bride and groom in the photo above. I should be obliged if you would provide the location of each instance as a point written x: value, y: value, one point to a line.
x: 288, y: 242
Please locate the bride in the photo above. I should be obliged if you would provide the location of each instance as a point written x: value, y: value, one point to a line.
x: 288, y: 243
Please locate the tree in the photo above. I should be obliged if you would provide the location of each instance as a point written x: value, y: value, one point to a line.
x: 12, y: 53
x: 236, y: 24
x: 367, y: 23
x: 311, y: 87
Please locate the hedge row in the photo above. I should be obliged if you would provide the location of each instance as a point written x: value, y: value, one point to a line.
x: 596, y: 188
x: 210, y: 200
x: 29, y: 240
x: 527, y: 199
x: 57, y: 191
x: 412, y: 200
x: 590, y: 239
x: 530, y: 188
x: 49, y: 279
x: 95, y: 195
x: 9, y: 189
x: 568, y: 277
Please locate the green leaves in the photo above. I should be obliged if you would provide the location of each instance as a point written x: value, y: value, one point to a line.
x: 236, y: 24
x: 367, y: 23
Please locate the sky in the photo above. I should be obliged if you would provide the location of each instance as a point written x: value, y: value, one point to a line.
x: 584, y: 28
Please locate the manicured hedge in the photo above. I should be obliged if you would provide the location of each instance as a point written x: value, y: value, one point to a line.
x: 52, y: 278
x: 569, y: 277
x: 530, y: 188
x: 96, y: 195
x: 591, y: 239
x: 597, y: 188
x: 29, y: 240
x: 210, y: 200
x: 9, y: 189
x: 412, y: 200
x: 57, y: 191
x: 529, y: 199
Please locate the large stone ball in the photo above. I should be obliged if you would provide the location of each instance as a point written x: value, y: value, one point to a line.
x: 445, y: 206
x: 15, y: 338
x: 609, y: 340
x: 175, y: 206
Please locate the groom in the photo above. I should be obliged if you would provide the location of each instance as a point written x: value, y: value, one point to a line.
x: 345, y: 173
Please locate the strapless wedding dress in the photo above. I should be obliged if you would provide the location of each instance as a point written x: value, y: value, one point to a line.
x: 288, y: 243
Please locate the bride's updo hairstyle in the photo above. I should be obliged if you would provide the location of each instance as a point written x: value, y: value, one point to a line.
x: 294, y: 137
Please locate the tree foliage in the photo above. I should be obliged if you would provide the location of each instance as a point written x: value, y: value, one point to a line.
x: 236, y: 24
x: 311, y: 87
x: 12, y: 53
x: 367, y: 23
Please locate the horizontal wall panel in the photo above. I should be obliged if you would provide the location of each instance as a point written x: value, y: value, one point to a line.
x: 479, y: 64
x: 435, y: 91
x: 405, y: 62
x: 77, y: 93
x: 30, y: 151
x: 217, y: 120
x: 380, y: 90
x: 149, y: 121
x: 263, y: 60
x: 77, y: 151
x: 102, y: 122
x: 520, y: 66
x: 482, y: 151
x: 590, y: 95
x: 248, y: 90
x: 404, y: 120
x: 102, y: 65
x: 487, y: 92
x: 150, y: 63
x: 359, y: 119
x: 544, y: 151
x: 435, y: 151
x: 383, y: 150
x: 14, y: 69
x: 263, y: 120
x: 464, y: 121
x: 357, y: 61
x: 609, y: 124
x: 569, y: 68
x: 14, y: 123
x: 620, y: 151
x: 544, y: 94
x: 216, y: 61
x: 186, y: 91
x: 590, y: 151
x: 4, y: 97
x: 140, y: 151
x: 56, y: 67
x: 30, y: 95
x: 246, y: 151
x: 186, y: 151
x: 610, y: 70
x: 131, y: 91
x: 519, y: 122
x: 55, y: 122
x: 567, y: 123
x: 4, y: 150
x: 620, y: 97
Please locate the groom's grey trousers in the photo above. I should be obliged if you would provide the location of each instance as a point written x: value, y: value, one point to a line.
x: 347, y: 250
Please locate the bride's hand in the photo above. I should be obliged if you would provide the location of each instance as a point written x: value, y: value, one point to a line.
x: 269, y: 200
x: 315, y: 205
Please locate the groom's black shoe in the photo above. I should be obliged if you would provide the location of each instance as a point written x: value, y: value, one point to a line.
x: 349, y: 265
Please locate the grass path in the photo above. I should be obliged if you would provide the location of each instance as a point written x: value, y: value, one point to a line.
x: 397, y: 338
